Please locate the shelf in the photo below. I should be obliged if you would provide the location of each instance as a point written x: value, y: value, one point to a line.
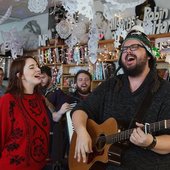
x: 74, y: 65
x: 66, y: 87
x: 160, y: 61
x: 33, y: 52
x: 155, y: 36
x: 110, y: 41
x: 107, y: 60
x: 67, y: 75
x: 53, y: 64
x: 96, y: 83
x: 30, y: 51
x: 97, y: 80
x: 52, y: 46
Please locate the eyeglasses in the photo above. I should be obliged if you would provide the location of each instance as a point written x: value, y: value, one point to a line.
x: 132, y: 47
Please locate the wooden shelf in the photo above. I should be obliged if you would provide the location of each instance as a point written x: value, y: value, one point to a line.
x: 53, y: 64
x: 95, y: 83
x: 65, y: 86
x: 110, y: 41
x: 67, y: 75
x: 107, y: 60
x: 52, y: 46
x: 74, y: 65
x: 155, y: 36
x: 33, y: 52
x: 160, y: 61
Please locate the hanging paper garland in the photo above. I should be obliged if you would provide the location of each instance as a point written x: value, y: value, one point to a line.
x: 92, y: 43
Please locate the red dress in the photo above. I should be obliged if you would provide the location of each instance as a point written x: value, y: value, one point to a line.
x: 24, y: 132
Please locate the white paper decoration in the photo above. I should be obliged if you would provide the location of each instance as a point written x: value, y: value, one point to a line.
x: 111, y: 7
x: 85, y: 7
x: 63, y: 28
x: 93, y: 43
x: 7, y: 15
x: 70, y: 6
x: 71, y: 41
x: 13, y: 42
x: 119, y: 32
x: 88, y: 7
x: 79, y: 29
x: 37, y: 6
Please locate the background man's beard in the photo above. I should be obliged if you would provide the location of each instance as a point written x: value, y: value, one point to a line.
x: 87, y: 91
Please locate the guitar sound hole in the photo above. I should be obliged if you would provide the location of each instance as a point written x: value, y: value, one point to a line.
x: 97, y: 149
x: 100, y: 143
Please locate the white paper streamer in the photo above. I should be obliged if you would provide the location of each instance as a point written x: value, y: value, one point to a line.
x: 93, y: 43
x: 7, y: 15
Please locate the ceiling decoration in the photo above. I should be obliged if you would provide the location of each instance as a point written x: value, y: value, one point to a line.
x: 20, y: 7
x: 7, y: 15
x: 96, y: 11
x: 16, y: 10
x: 88, y: 8
x: 37, y: 6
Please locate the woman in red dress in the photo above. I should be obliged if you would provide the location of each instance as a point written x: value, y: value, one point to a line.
x: 24, y: 122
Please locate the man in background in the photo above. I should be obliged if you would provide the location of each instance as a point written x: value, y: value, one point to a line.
x: 83, y: 85
x: 2, y: 87
x: 58, y: 103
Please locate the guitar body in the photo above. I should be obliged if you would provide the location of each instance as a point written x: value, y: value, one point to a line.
x: 100, y: 148
x: 103, y: 136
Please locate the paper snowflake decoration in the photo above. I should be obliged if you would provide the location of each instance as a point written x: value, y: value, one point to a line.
x: 37, y: 6
x: 63, y: 28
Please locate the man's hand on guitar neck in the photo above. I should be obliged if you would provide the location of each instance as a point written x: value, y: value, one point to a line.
x: 140, y: 138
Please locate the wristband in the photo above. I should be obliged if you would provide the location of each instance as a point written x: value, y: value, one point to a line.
x: 152, y: 145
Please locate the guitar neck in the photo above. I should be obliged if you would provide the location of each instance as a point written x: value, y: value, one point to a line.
x: 150, y: 128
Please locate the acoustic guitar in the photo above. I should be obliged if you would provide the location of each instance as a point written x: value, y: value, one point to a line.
x: 103, y: 136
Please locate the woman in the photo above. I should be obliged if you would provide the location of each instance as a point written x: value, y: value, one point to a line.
x: 24, y: 122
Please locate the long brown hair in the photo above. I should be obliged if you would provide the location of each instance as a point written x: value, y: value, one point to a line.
x: 15, y: 85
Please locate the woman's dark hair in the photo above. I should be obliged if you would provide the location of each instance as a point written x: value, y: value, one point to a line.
x: 83, y: 71
x: 15, y: 85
